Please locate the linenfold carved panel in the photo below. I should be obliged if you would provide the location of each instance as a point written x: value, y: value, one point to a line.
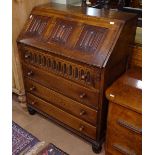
x: 61, y: 31
x: 91, y: 38
x: 37, y: 25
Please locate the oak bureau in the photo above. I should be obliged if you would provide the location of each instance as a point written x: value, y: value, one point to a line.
x: 69, y: 56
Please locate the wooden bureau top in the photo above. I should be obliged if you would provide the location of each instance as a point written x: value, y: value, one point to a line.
x: 127, y: 90
x: 86, y: 35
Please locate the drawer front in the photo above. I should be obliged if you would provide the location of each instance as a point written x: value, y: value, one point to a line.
x: 58, y: 84
x: 119, y: 142
x: 81, y: 74
x: 125, y: 119
x: 124, y: 131
x: 62, y: 116
x: 65, y: 103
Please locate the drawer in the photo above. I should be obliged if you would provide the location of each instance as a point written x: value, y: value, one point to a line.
x: 62, y: 116
x: 87, y: 76
x: 124, y: 119
x: 63, y: 86
x: 124, y: 133
x: 119, y: 143
x: 61, y: 101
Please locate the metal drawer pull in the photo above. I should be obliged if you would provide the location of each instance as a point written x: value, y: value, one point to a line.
x: 123, y: 149
x: 82, y: 113
x: 27, y: 56
x: 82, y: 95
x: 129, y: 126
x: 81, y: 128
x: 83, y: 77
x: 32, y: 88
x: 33, y: 102
x: 30, y: 73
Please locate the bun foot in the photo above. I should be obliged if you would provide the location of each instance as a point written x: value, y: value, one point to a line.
x: 31, y: 111
x: 96, y: 148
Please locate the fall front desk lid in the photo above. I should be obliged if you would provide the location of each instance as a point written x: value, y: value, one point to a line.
x: 87, y: 35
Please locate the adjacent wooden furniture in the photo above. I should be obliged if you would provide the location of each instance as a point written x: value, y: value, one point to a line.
x: 21, y: 10
x: 69, y: 56
x: 124, y: 129
x: 136, y: 58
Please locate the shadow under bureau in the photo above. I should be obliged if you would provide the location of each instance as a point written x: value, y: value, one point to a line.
x: 69, y: 56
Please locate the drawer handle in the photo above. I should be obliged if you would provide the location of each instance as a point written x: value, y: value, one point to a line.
x: 83, y: 77
x: 129, y: 126
x: 82, y: 95
x: 33, y: 102
x: 81, y: 128
x: 32, y: 88
x: 30, y: 73
x: 82, y: 112
x: 27, y: 56
x: 123, y: 149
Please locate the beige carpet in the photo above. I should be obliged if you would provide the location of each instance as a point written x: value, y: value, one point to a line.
x: 47, y: 131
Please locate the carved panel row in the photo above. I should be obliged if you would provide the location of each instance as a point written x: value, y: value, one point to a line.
x: 90, y: 40
x: 59, y: 66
